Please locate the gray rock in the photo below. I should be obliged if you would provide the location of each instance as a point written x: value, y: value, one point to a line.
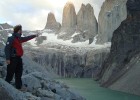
x: 52, y: 24
x: 71, y: 64
x: 46, y: 98
x: 69, y: 21
x: 30, y: 66
x: 120, y: 70
x: 68, y: 95
x: 44, y: 93
x: 15, y: 94
x: 40, y: 39
x: 86, y: 21
x: 31, y: 82
x: 4, y: 95
x: 57, y: 97
x: 112, y: 13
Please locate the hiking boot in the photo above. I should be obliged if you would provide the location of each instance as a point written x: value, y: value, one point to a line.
x: 23, y: 89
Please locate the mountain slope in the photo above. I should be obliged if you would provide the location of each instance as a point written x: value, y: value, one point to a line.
x: 120, y: 70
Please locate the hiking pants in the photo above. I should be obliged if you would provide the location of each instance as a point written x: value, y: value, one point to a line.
x: 15, y: 68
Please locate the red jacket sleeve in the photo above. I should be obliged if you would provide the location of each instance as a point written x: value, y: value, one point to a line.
x: 27, y: 38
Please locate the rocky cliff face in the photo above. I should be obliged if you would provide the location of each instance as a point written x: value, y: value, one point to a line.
x: 112, y: 13
x: 68, y: 63
x: 79, y: 27
x: 68, y: 21
x: 52, y: 24
x: 121, y: 69
x: 86, y: 22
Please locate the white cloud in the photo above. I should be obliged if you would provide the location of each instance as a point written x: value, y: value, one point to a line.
x: 32, y: 14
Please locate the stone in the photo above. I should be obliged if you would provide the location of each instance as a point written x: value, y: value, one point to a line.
x: 4, y: 95
x: 41, y: 39
x: 46, y: 98
x: 52, y: 24
x: 86, y: 21
x: 14, y: 93
x: 120, y: 70
x: 68, y: 21
x: 31, y: 82
x: 70, y: 64
x: 44, y: 93
x: 112, y: 13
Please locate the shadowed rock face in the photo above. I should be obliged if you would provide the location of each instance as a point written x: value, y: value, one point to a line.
x: 71, y: 64
x: 4, y: 95
x: 52, y: 24
x: 124, y: 58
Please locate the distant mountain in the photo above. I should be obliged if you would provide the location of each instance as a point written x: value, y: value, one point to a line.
x: 78, y: 27
x: 5, y: 26
x: 52, y: 24
x: 69, y: 22
x: 87, y: 24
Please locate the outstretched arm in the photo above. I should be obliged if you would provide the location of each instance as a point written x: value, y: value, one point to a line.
x: 27, y: 38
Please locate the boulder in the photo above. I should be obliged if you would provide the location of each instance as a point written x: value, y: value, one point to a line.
x: 31, y: 82
x: 14, y: 93
x: 44, y: 93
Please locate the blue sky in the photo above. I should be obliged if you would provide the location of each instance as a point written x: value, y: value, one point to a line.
x: 32, y: 14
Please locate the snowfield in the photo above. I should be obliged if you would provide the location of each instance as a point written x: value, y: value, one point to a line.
x: 53, y: 40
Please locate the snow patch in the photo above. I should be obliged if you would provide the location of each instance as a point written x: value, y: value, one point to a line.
x: 33, y: 42
x: 75, y: 34
x: 53, y: 40
x: 1, y: 27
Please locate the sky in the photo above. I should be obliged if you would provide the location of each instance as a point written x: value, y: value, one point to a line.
x: 32, y: 14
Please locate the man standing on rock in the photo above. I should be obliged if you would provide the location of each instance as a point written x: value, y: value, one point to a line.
x: 14, y: 52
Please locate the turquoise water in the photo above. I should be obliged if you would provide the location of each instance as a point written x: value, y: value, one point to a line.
x: 89, y: 89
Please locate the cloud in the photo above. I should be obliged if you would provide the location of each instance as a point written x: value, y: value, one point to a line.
x: 32, y: 14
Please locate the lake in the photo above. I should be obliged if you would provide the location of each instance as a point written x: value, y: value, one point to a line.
x: 89, y: 89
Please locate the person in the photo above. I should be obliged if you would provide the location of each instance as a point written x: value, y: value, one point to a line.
x: 14, y: 52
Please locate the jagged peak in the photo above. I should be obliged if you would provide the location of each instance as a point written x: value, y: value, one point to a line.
x: 51, y: 16
x: 50, y: 13
x: 69, y: 4
x: 83, y: 5
x: 89, y: 5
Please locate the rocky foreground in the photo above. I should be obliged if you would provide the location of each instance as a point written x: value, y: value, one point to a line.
x: 39, y: 82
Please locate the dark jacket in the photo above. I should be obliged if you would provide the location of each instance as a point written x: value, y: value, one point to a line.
x: 14, y: 46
